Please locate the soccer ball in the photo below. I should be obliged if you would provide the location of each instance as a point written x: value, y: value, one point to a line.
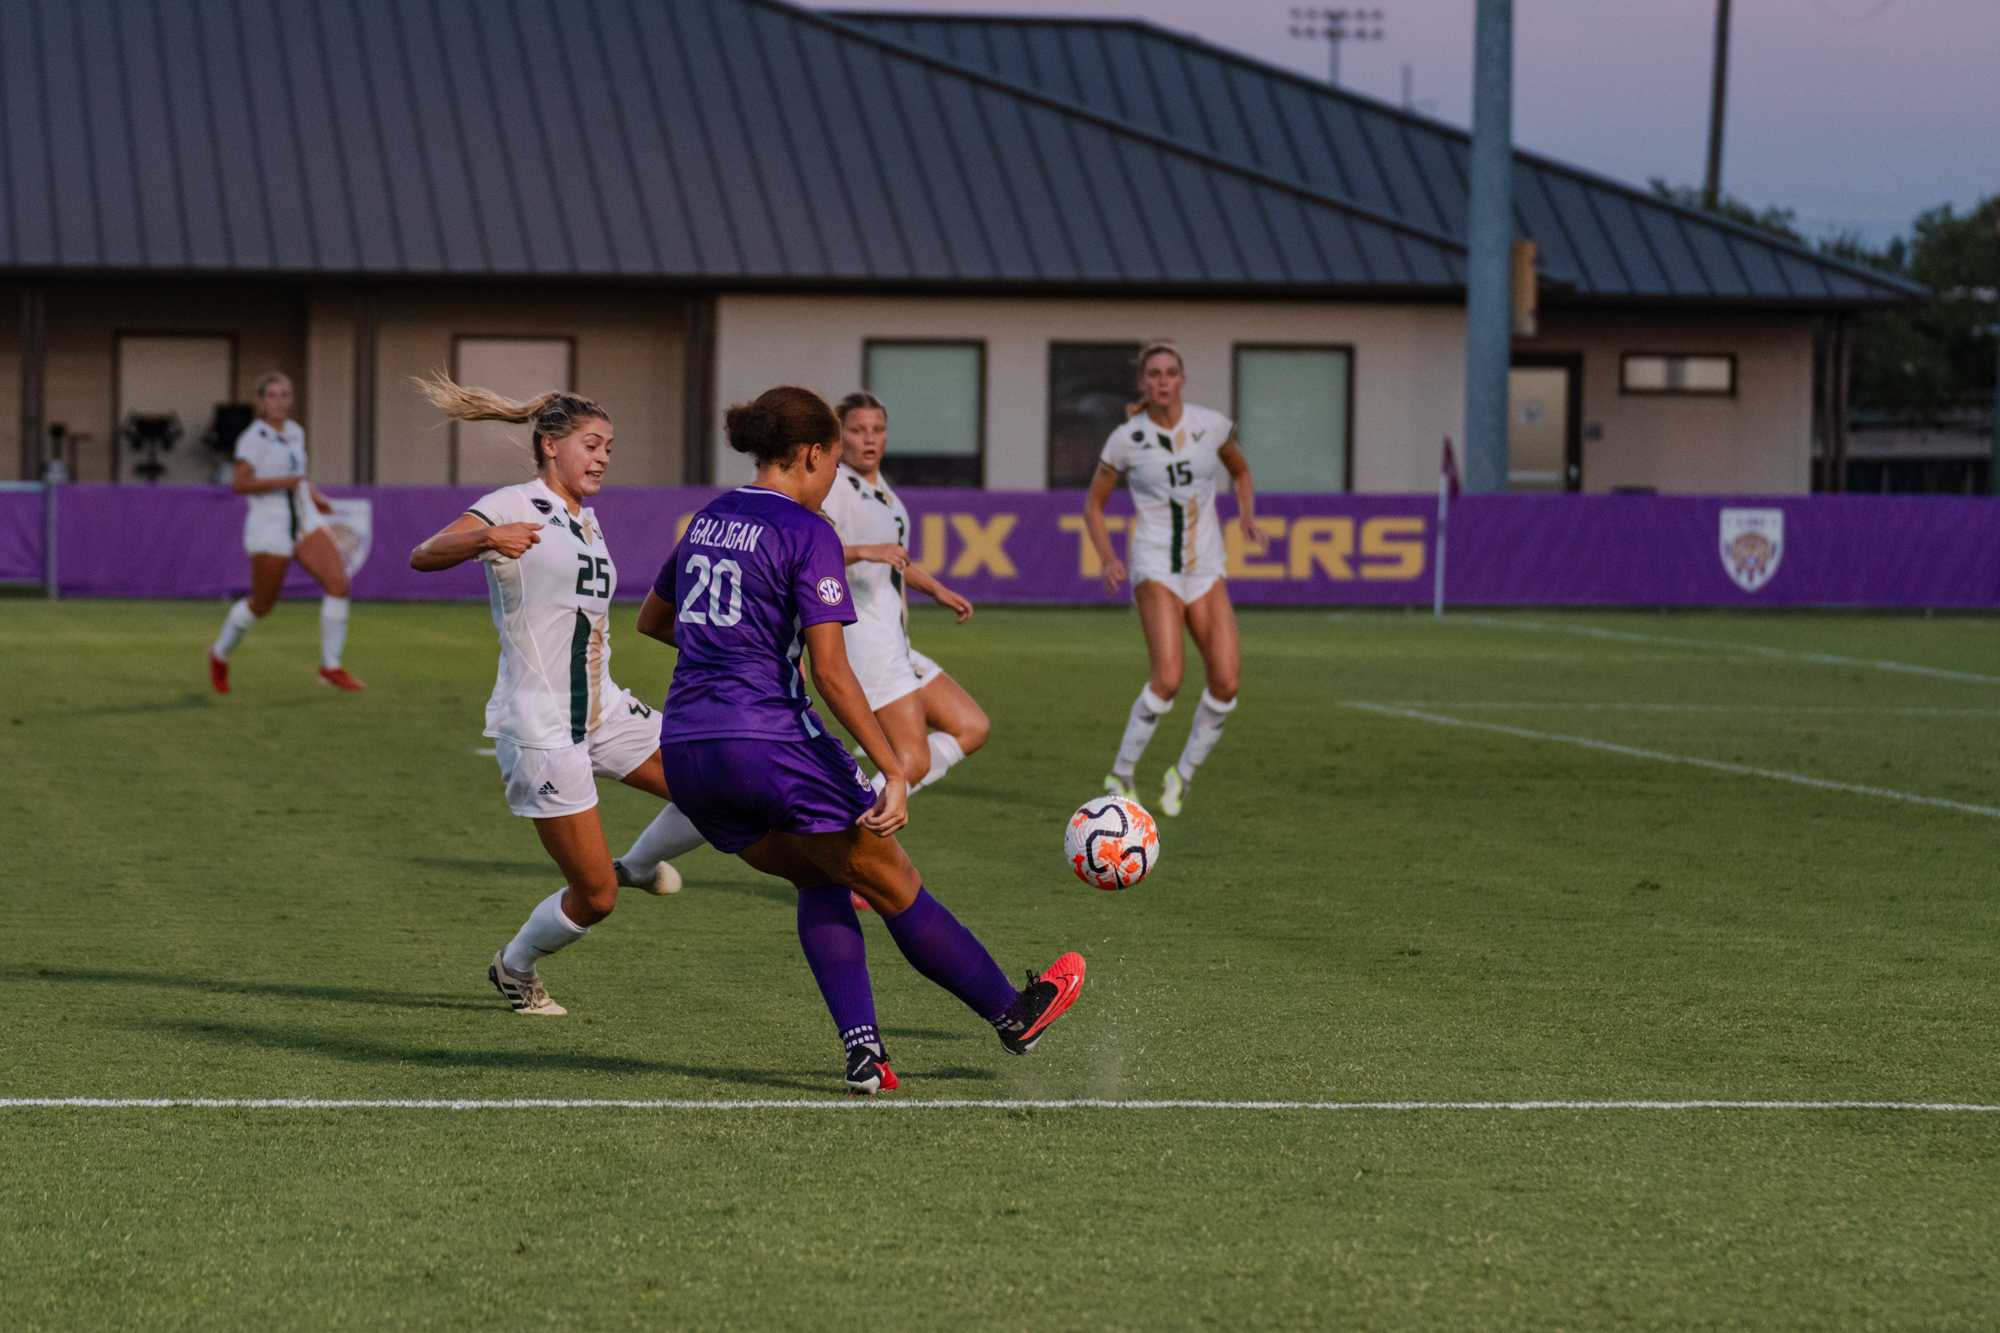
x: 1111, y: 843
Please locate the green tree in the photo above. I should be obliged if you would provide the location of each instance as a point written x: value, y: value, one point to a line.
x: 1918, y: 361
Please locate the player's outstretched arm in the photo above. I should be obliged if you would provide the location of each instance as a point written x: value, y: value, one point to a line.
x: 842, y: 694
x: 882, y: 553
x: 656, y: 619
x: 1102, y: 483
x: 1238, y: 467
x: 468, y: 536
x: 920, y: 578
x: 245, y: 481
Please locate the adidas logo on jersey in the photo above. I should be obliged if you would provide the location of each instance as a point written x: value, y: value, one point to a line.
x: 553, y: 522
x: 546, y: 789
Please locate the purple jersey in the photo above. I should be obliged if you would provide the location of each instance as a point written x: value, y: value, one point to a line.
x: 752, y: 571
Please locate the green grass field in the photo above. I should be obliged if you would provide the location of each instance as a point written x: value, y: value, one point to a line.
x: 287, y: 893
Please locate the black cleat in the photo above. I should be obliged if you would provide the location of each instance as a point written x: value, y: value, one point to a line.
x: 869, y: 1073
x: 1044, y: 1001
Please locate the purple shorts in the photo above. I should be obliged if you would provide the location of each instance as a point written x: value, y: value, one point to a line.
x: 736, y: 789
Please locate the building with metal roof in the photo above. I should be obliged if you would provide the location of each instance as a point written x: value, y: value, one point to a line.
x: 670, y: 205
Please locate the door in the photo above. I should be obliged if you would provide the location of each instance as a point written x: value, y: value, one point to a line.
x: 1544, y: 425
x: 173, y: 376
x: 496, y: 453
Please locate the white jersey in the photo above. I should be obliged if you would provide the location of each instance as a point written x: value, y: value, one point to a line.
x: 552, y: 610
x: 866, y: 515
x: 278, y: 453
x: 1174, y: 475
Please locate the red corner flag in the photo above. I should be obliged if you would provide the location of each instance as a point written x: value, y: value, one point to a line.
x: 1450, y: 468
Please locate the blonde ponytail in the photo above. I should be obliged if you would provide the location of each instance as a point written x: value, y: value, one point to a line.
x: 555, y: 415
x: 460, y: 403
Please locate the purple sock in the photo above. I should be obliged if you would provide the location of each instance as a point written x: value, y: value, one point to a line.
x: 952, y: 956
x: 830, y: 934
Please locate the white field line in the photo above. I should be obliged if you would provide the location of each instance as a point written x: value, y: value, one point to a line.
x: 940, y: 1104
x: 1723, y: 645
x: 1662, y: 757
x: 1617, y: 706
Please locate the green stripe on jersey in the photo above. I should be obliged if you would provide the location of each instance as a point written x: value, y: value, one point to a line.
x: 579, y: 677
x: 1180, y: 534
x: 292, y: 506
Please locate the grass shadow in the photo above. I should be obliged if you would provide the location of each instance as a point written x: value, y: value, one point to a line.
x: 352, y: 1049
x: 479, y: 865
x: 182, y: 703
x: 98, y: 976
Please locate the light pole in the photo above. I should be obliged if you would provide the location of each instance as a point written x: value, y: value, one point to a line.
x: 1336, y: 27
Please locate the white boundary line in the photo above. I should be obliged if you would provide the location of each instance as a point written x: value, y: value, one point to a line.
x: 1723, y: 645
x: 1616, y: 706
x: 940, y: 1104
x: 1662, y: 757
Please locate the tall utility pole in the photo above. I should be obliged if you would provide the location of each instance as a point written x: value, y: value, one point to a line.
x: 1718, y: 98
x: 1489, y: 243
x: 1336, y: 27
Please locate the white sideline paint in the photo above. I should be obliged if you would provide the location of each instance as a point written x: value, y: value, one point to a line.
x: 1723, y: 645
x: 1662, y: 757
x: 831, y: 1103
x: 1615, y: 706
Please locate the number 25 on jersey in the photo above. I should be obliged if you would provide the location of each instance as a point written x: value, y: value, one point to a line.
x: 593, y: 576
x: 722, y: 581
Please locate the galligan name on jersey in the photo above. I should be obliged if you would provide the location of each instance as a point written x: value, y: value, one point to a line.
x: 734, y: 535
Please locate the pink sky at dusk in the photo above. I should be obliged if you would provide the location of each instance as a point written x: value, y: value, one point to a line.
x: 1858, y: 114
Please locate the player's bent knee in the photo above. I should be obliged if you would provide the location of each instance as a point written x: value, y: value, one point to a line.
x: 1165, y: 687
x: 1223, y: 688
x: 595, y: 902
x: 973, y: 734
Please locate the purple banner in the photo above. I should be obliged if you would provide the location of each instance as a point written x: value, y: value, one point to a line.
x: 23, y: 521
x: 1025, y: 546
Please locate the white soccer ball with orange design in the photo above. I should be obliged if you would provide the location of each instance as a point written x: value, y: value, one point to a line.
x: 1111, y: 842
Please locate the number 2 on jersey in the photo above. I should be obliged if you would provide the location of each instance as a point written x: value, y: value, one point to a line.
x: 1180, y: 474
x: 711, y: 579
x: 593, y: 576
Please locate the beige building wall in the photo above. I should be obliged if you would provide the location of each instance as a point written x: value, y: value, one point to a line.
x: 84, y: 323
x: 628, y: 356
x: 1758, y: 442
x: 1409, y: 370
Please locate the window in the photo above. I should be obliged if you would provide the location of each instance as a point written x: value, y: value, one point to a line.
x: 185, y: 377
x: 936, y: 396
x: 1090, y: 386
x: 1711, y: 375
x: 1294, y: 412
x: 496, y: 453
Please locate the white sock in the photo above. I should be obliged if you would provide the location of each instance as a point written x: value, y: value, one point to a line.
x: 945, y: 751
x: 332, y: 630
x: 545, y: 931
x: 1209, y: 715
x: 669, y: 835
x: 235, y: 625
x: 1147, y: 710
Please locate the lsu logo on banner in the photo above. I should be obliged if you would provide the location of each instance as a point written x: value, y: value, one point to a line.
x: 1753, y: 542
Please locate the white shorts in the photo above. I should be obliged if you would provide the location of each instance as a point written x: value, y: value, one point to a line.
x: 1190, y: 588
x: 275, y: 530
x: 887, y: 667
x: 542, y: 784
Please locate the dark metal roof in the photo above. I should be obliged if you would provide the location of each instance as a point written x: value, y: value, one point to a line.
x: 1595, y: 237
x: 710, y: 141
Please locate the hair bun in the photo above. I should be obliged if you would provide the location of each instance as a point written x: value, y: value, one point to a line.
x: 749, y: 427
